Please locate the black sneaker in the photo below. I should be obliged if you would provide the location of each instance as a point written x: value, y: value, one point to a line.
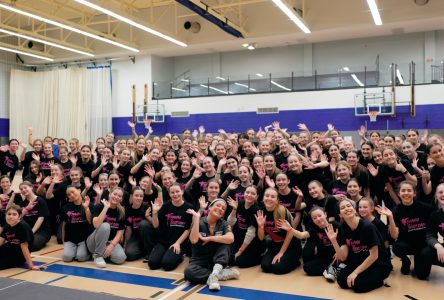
x: 405, y: 268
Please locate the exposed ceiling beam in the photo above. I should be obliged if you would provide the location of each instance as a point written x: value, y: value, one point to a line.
x: 24, y: 51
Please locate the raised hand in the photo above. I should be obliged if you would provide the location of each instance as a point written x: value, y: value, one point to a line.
x: 98, y: 189
x: 86, y: 202
x: 298, y: 192
x: 149, y: 170
x: 233, y: 203
x: 131, y: 124
x: 148, y: 213
x: 283, y: 224
x: 105, y: 203
x: 35, y: 157
x: 331, y: 233
x: 156, y: 206
x: 197, y: 173
x: 73, y: 159
x: 373, y: 171
x: 302, y: 127
x: 203, y: 203
x: 260, y: 218
x: 88, y: 183
x: 383, y: 210
x: 234, y: 184
x: 269, y: 181
x: 201, y: 129
x: 330, y: 127
x: 193, y: 213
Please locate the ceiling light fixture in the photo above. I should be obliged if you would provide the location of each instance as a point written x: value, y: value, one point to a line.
x: 259, y: 75
x: 280, y: 86
x: 25, y: 53
x: 294, y: 16
x: 245, y: 45
x: 220, y: 78
x: 177, y: 89
x: 45, y: 42
x: 375, y: 12
x: 356, y: 79
x: 67, y: 27
x: 131, y: 22
x: 346, y: 69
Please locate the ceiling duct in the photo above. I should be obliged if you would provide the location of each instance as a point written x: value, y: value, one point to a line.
x: 213, y: 16
x: 194, y: 27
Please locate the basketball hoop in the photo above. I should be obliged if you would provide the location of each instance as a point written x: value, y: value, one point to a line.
x: 373, y: 115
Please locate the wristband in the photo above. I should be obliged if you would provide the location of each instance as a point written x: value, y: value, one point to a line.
x: 159, y: 190
x: 218, y: 173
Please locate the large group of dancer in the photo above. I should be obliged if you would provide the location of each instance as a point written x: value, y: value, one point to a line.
x: 262, y: 197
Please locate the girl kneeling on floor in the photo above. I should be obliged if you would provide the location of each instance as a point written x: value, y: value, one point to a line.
x: 362, y: 250
x: 76, y: 227
x: 15, y: 241
x: 282, y: 251
x: 320, y: 261
x: 109, y: 223
x: 211, y: 238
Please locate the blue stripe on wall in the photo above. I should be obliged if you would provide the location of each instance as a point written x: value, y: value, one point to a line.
x: 427, y: 116
x: 4, y: 127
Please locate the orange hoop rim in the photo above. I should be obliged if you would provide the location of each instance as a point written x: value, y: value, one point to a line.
x: 373, y: 114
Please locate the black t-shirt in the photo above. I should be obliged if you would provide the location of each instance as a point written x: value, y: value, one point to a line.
x: 173, y: 221
x: 45, y: 164
x: 67, y: 166
x: 112, y: 218
x: 200, y: 186
x: 245, y: 218
x: 390, y: 175
x: 289, y: 201
x: 2, y: 219
x: 301, y: 180
x: 133, y: 217
x: 157, y: 166
x: 329, y: 203
x: 124, y: 172
x: 382, y: 229
x: 226, y: 179
x: 435, y: 227
x: 282, y: 161
x: 87, y: 167
x: 105, y: 169
x: 277, y: 235
x: 18, y: 234
x: 362, y: 175
x: 412, y: 222
x: 40, y: 209
x: 77, y: 227
x: 323, y: 244
x: 9, y: 164
x: 337, y: 187
x: 183, y: 181
x: 360, y: 241
x: 437, y: 177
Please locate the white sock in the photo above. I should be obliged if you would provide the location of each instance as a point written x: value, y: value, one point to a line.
x: 217, y: 269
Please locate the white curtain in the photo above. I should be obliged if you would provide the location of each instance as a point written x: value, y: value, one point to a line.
x: 74, y: 102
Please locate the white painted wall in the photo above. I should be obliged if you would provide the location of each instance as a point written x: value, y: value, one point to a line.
x: 125, y: 74
x: 325, y: 57
x: 6, y: 60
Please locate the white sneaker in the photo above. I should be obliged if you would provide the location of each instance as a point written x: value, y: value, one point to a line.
x: 100, y: 262
x: 228, y: 273
x: 330, y: 273
x: 213, y: 283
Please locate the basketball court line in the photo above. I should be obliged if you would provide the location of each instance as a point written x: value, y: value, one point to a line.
x: 12, y: 285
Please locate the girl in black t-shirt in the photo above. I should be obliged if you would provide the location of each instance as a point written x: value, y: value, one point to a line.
x: 172, y: 223
x: 139, y: 232
x: 76, y: 220
x: 283, y: 252
x: 354, y: 190
x: 27, y: 157
x: 410, y: 218
x: 109, y: 223
x: 15, y: 241
x: 47, y: 159
x: 9, y: 162
x: 362, y: 250
x: 35, y: 175
x: 85, y: 162
x: 247, y: 248
x: 35, y: 212
x: 317, y: 196
x: 65, y: 162
x: 319, y: 261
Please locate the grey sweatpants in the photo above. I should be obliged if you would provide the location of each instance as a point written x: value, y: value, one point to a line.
x: 98, y: 241
x: 73, y: 251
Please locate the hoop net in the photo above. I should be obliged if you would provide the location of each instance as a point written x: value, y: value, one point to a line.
x: 373, y: 115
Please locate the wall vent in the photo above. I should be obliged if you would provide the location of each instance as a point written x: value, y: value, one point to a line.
x: 267, y: 110
x: 180, y: 114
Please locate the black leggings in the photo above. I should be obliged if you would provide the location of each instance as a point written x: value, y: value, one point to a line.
x: 401, y: 249
x: 163, y: 257
x: 250, y: 257
x: 426, y: 258
x: 370, y: 279
x: 140, y: 244
x: 314, y: 264
x: 40, y: 239
x: 200, y: 268
x: 289, y: 261
x: 11, y: 256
